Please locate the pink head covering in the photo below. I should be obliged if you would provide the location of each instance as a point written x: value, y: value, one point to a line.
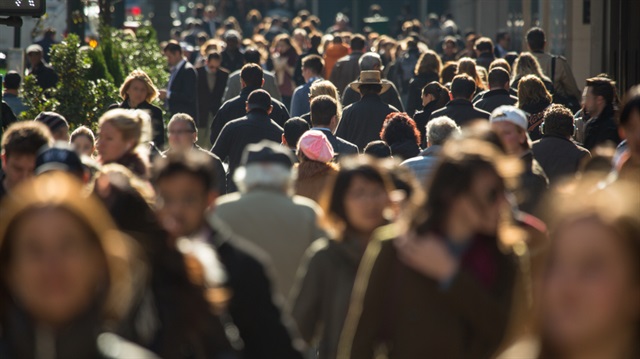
x: 315, y: 145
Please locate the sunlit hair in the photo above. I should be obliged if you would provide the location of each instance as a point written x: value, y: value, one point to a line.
x: 429, y: 61
x: 133, y: 125
x: 124, y: 178
x: 467, y: 65
x: 83, y: 131
x: 326, y: 87
x: 287, y: 40
x: 270, y: 176
x: 448, y: 72
x: 527, y: 64
x: 531, y: 90
x: 399, y: 127
x: 61, y: 191
x: 139, y: 75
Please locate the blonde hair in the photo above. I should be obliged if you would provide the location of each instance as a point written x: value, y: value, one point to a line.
x: 152, y: 91
x: 429, y: 61
x: 527, y: 64
x: 467, y: 65
x: 326, y: 87
x: 132, y: 124
x: 531, y: 90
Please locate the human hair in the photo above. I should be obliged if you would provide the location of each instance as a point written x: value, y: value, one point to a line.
x: 214, y: 55
x: 252, y: 75
x: 558, y: 120
x: 251, y: 56
x: 448, y: 72
x: 139, y: 75
x: 12, y: 80
x: 326, y: 87
x: 358, y: 42
x: 287, y: 40
x: 370, y: 89
x: 500, y: 63
x: 294, y: 128
x: 172, y: 47
x: 378, y: 149
x: 370, y: 61
x: 441, y: 95
x: 441, y: 129
x: 467, y: 66
x: 531, y: 90
x: 483, y: 44
x: 631, y: 104
x: 83, y: 131
x: 498, y: 77
x: 323, y: 109
x: 271, y: 176
x: 399, y: 127
x: 527, y: 64
x: 184, y: 118
x: 429, y: 61
x: 133, y: 125
x: 463, y: 86
x: 315, y: 39
x: 193, y: 163
x: 602, y: 86
x: 536, y: 39
x: 25, y: 138
x: 314, y: 63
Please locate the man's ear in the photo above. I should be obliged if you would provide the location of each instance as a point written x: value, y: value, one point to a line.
x: 269, y: 110
x: 284, y: 140
x: 246, y: 107
x: 4, y: 159
x: 212, y: 196
x: 334, y: 121
x: 262, y: 84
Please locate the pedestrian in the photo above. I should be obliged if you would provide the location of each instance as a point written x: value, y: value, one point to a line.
x: 212, y: 80
x: 314, y: 41
x: 181, y: 92
x: 378, y: 149
x: 372, y: 62
x: 234, y: 84
x: 400, y: 133
x: 449, y: 70
x: 526, y: 64
x: 138, y: 93
x: 84, y: 141
x: 47, y: 41
x: 362, y: 121
x: 460, y: 108
x: 57, y: 124
x: 294, y: 128
x: 45, y: 75
x: 121, y: 134
x: 427, y: 70
x: 232, y: 58
x: 467, y: 66
x: 284, y: 56
x: 315, y: 168
x: 336, y: 50
x: 628, y: 165
x: 503, y: 43
x: 498, y: 94
x: 323, y: 87
x: 355, y: 209
x: 347, y: 68
x: 558, y: 155
x: 434, y: 97
x: 600, y: 97
x: 312, y: 67
x: 483, y: 47
x: 325, y: 112
x: 533, y: 99
x: 11, y: 95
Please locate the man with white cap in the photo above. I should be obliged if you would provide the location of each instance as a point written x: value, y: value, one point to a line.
x: 44, y: 73
x: 510, y: 124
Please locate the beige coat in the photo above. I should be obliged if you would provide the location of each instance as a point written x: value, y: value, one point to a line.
x: 563, y: 82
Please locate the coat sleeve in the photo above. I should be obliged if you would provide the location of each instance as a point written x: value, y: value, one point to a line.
x: 272, y: 88
x: 349, y: 96
x: 189, y: 92
x: 395, y: 100
x: 232, y: 90
x: 296, y: 110
x: 281, y: 116
x: 218, y: 123
x: 222, y: 145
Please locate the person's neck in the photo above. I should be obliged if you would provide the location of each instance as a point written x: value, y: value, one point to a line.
x: 598, y: 113
x: 457, y: 229
x: 461, y: 99
x: 11, y: 92
x: 615, y: 345
x: 133, y: 104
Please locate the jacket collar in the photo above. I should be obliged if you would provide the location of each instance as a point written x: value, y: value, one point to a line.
x: 431, y: 151
x: 497, y: 92
x: 460, y: 102
x: 245, y: 92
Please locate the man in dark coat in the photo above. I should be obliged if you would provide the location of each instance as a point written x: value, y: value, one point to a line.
x: 601, y: 127
x: 498, y: 94
x: 460, y: 109
x: 372, y: 62
x: 324, y: 117
x: 252, y: 79
x: 185, y: 184
x: 181, y: 93
x: 362, y: 121
x: 252, y: 128
x: 232, y: 58
x: 484, y: 51
x: 212, y: 80
x: 556, y: 153
x: 315, y: 39
x: 45, y: 75
x: 347, y: 68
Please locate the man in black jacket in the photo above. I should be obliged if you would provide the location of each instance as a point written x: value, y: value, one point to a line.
x: 324, y: 117
x: 460, y: 109
x: 498, y: 94
x: 252, y: 128
x: 251, y: 78
x: 185, y: 184
x: 347, y: 68
x: 45, y: 75
x: 212, y: 80
x: 181, y: 92
x: 601, y: 127
x: 362, y: 121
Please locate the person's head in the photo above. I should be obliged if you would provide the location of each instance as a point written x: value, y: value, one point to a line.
x: 182, y: 132
x: 440, y: 129
x: 282, y: 43
x: 370, y: 61
x: 369, y: 83
x: 358, y: 42
x: 536, y: 39
x: 511, y: 125
x: 324, y: 112
x: 120, y: 132
x: 467, y: 66
x: 251, y: 56
x: 12, y: 81
x: 251, y: 75
x: 312, y: 66
x: 315, y: 146
x: 50, y: 33
x: 294, y: 128
x: 429, y: 62
x: 56, y: 123
x: 260, y: 101
x: 527, y: 64
x: 60, y: 157
x: 378, y: 149
x: 138, y: 87
x: 498, y: 79
x: 450, y: 46
x: 483, y: 45
x: 531, y: 90
x: 265, y: 165
x: 463, y: 87
x: 214, y: 60
x: 61, y: 255
x: 590, y: 287
x: 232, y: 39
x: 185, y: 184
x: 448, y: 72
x: 503, y: 38
x: 173, y: 52
x: 558, y: 121
x: 20, y: 145
x: 35, y: 54
x: 630, y: 122
x: 500, y: 63
x: 399, y: 127
x: 600, y: 93
x: 435, y: 93
x: 357, y: 200
x: 83, y: 140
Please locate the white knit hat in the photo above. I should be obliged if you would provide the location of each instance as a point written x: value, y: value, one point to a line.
x: 510, y: 114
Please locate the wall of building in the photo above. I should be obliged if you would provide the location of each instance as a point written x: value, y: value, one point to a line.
x: 579, y: 43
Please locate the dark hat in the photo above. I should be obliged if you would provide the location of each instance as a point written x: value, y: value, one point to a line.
x: 60, y: 157
x: 267, y: 152
x: 52, y: 120
x: 259, y: 99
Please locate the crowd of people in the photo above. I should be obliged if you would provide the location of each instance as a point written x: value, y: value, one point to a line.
x: 326, y: 195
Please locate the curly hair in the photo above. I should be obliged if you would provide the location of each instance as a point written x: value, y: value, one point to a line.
x: 399, y: 127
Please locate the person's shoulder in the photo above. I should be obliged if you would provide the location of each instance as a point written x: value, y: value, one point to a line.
x: 114, y: 106
x: 307, y: 204
x: 481, y: 112
x: 223, y: 72
x: 277, y: 103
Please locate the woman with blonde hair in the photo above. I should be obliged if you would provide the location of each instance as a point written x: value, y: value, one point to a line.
x: 121, y: 134
x: 138, y: 92
x: 324, y: 87
x: 527, y: 64
x: 534, y: 99
x: 467, y: 66
x: 427, y: 70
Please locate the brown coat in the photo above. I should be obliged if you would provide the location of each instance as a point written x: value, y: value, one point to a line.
x: 414, y: 317
x: 313, y: 178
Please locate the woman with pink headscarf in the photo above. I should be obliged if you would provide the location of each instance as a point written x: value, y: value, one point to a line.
x: 315, y: 169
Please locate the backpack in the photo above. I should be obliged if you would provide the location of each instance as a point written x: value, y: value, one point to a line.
x: 571, y: 103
